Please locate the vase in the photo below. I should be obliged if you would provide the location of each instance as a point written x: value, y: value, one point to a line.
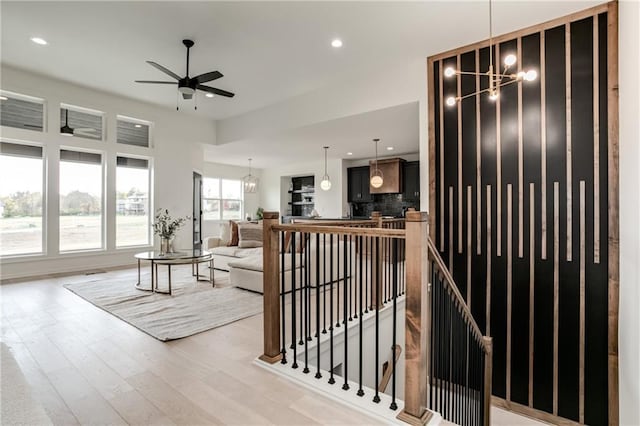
x: 166, y: 245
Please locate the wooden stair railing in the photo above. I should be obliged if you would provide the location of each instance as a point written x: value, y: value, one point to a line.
x: 387, y: 368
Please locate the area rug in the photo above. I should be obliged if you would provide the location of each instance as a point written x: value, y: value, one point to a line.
x: 193, y: 308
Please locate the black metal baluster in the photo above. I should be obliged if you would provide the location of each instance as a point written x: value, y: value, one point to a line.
x: 306, y: 303
x: 360, y: 390
x: 345, y: 363
x: 318, y: 375
x: 293, y: 301
x: 308, y: 261
x: 367, y: 276
x: 283, y: 253
x: 375, y: 263
x: 331, y: 379
x: 324, y: 283
x: 394, y: 254
x: 350, y: 263
x: 302, y: 279
x: 338, y: 279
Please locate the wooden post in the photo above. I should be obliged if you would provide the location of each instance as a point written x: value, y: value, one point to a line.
x: 488, y: 374
x: 417, y: 320
x: 376, y: 258
x: 271, y: 288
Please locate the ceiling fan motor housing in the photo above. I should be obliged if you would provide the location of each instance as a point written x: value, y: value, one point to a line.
x: 187, y: 86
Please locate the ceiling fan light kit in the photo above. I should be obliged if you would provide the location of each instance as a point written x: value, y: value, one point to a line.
x: 497, y: 79
x: 188, y: 86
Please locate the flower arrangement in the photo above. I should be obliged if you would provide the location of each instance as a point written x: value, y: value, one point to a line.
x: 165, y: 226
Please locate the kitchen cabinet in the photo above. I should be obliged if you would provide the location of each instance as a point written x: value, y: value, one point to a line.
x: 358, y: 184
x: 411, y: 190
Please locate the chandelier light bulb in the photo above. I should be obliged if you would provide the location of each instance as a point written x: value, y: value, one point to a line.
x: 493, y: 95
x: 451, y: 101
x: 531, y: 75
x: 449, y: 72
x: 509, y: 60
x: 521, y: 75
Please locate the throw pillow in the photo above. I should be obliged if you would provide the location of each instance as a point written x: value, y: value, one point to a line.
x: 225, y: 233
x: 233, y: 239
x: 249, y: 235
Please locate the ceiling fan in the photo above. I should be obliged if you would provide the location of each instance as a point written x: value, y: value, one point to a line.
x: 67, y: 130
x: 188, y: 85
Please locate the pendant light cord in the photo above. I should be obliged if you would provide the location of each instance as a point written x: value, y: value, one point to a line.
x: 325, y: 160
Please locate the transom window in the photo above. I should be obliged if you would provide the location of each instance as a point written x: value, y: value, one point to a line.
x: 222, y: 199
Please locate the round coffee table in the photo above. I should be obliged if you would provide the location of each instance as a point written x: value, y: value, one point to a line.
x: 194, y: 257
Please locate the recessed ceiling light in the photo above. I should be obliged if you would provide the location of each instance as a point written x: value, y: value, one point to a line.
x: 40, y: 41
x: 349, y: 153
x: 389, y: 148
x: 138, y: 125
x: 336, y: 42
x: 209, y: 95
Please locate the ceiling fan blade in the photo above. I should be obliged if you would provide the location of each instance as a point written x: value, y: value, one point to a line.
x: 164, y: 70
x: 85, y: 129
x: 216, y: 91
x: 156, y: 82
x: 209, y: 76
x: 186, y: 96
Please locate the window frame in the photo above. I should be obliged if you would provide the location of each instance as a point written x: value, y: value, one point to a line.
x: 221, y: 200
x: 33, y: 99
x: 149, y: 124
x: 45, y: 203
x: 76, y: 108
x: 150, y: 207
x: 103, y: 200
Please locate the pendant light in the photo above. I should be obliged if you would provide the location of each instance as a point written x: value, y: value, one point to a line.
x: 376, y: 174
x: 325, y: 184
x: 250, y: 182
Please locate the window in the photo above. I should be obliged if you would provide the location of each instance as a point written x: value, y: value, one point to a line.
x: 22, y: 112
x: 221, y: 199
x: 132, y: 202
x: 80, y: 122
x: 133, y: 132
x: 80, y: 200
x: 21, y: 189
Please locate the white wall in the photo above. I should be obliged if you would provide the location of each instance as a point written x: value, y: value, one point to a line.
x: 176, y: 153
x: 225, y: 171
x: 327, y: 203
x: 629, y: 336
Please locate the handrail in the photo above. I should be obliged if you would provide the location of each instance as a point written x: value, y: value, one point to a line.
x: 335, y: 222
x: 342, y: 230
x: 386, y: 375
x: 451, y: 286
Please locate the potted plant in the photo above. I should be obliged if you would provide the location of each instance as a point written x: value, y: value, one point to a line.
x: 166, y: 227
x: 259, y: 213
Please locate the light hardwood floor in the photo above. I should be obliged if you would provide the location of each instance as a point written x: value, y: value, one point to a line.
x: 86, y: 366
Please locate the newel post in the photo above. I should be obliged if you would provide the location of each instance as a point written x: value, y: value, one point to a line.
x: 488, y: 374
x: 417, y: 324
x: 271, y: 288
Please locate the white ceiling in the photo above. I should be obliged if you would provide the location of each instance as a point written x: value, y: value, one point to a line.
x: 268, y: 51
x: 396, y: 127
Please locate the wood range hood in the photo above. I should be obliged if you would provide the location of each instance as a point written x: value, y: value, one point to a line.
x: 391, y: 169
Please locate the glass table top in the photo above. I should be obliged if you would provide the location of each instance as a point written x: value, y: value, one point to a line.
x: 177, y: 255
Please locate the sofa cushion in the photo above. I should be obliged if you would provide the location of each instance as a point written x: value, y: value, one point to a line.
x: 254, y: 263
x: 236, y: 251
x: 249, y: 235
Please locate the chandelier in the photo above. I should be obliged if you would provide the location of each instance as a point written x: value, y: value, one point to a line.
x: 250, y: 182
x: 497, y: 79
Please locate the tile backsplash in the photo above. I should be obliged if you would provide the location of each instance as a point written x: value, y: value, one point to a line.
x: 387, y: 204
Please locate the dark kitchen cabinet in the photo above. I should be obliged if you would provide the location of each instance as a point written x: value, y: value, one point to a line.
x: 358, y: 184
x: 411, y: 191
